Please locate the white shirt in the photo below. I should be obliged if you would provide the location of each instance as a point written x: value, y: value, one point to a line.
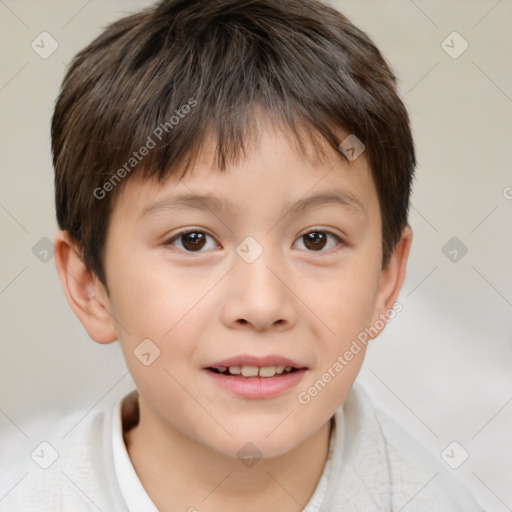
x: 373, y: 466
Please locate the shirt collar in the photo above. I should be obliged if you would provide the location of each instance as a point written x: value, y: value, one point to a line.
x: 132, y: 491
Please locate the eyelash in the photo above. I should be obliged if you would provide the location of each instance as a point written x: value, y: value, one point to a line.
x: 178, y: 235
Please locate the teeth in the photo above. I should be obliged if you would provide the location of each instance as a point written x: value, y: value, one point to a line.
x: 267, y: 371
x: 249, y: 371
x: 254, y: 371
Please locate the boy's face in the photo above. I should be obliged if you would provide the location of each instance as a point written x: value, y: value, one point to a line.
x: 248, y: 284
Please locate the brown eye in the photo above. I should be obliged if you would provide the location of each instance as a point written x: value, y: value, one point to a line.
x: 191, y: 241
x: 317, y: 240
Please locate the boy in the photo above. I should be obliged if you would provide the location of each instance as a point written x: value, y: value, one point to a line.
x: 232, y: 186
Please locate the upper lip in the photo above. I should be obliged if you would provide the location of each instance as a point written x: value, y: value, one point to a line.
x: 248, y: 360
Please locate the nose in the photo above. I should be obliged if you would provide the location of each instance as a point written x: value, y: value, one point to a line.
x: 259, y: 296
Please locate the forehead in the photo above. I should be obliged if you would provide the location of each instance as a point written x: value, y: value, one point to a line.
x: 274, y: 173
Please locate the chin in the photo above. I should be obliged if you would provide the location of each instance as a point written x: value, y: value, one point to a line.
x: 258, y: 439
x: 253, y: 448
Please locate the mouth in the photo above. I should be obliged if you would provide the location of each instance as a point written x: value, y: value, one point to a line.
x: 256, y: 377
x: 251, y: 371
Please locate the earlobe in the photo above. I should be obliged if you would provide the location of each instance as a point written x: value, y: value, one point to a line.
x: 392, y: 278
x: 84, y: 292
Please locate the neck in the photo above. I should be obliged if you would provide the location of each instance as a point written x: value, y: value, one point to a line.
x: 179, y: 473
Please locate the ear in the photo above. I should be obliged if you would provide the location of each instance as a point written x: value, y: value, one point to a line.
x: 85, y: 293
x: 391, y: 280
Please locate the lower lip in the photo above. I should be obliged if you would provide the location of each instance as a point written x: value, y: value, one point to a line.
x: 257, y: 387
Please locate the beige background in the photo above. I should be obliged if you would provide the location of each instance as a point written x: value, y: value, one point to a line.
x: 443, y: 366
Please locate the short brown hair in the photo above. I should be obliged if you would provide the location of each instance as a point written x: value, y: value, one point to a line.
x: 302, y: 62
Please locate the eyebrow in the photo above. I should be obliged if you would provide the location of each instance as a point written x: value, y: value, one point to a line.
x: 187, y: 201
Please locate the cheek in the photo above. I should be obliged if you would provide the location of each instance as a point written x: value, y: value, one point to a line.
x: 163, y: 306
x: 159, y: 331
x: 345, y: 306
x: 152, y: 297
x: 344, y: 302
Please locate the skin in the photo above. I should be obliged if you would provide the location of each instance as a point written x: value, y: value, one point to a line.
x: 202, y: 307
